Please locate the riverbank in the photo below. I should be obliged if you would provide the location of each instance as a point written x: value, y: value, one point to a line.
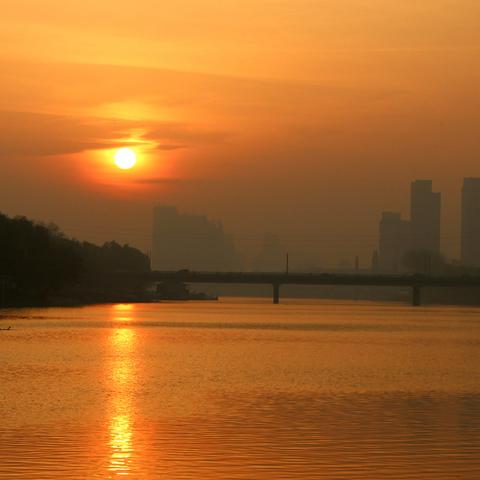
x: 81, y: 295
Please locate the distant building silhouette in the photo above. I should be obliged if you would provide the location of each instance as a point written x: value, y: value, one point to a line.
x: 193, y: 242
x: 420, y: 235
x: 375, y: 262
x: 271, y: 257
x: 425, y: 217
x: 470, y: 241
x: 394, y: 242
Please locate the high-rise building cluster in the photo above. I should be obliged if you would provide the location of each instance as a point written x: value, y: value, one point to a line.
x: 182, y: 241
x: 420, y: 235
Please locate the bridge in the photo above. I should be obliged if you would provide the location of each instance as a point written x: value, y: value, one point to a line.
x: 415, y: 282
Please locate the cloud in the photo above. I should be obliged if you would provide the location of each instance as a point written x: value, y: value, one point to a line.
x: 162, y: 181
x: 167, y: 146
x: 38, y: 134
x: 72, y: 86
x: 185, y: 135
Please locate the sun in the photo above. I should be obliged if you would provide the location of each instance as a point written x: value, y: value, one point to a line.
x: 125, y: 158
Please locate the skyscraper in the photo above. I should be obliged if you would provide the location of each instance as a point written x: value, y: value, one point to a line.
x: 182, y: 241
x: 470, y: 242
x: 271, y: 257
x: 394, y: 242
x: 425, y: 217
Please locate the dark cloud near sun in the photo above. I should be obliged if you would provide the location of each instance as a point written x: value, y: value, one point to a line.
x: 163, y: 181
x: 39, y: 134
x: 185, y: 135
x: 169, y: 147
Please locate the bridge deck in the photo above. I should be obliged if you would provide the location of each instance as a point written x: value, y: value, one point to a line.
x: 416, y: 282
x: 315, y: 279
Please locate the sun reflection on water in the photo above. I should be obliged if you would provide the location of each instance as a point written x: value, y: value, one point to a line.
x: 123, y: 312
x: 123, y: 343
x: 121, y: 445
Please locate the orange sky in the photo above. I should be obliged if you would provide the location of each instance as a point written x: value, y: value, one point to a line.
x: 305, y: 118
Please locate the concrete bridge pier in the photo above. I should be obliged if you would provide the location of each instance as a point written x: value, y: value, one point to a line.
x: 276, y: 293
x: 416, y: 296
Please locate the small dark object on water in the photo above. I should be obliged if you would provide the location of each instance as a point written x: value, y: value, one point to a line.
x: 9, y: 328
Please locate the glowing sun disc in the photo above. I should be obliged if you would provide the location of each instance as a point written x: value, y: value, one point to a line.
x: 125, y: 158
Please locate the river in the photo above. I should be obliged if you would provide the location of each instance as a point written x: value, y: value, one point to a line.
x: 240, y: 389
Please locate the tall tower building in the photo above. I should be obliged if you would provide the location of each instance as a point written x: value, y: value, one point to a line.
x: 470, y: 241
x: 394, y: 242
x: 425, y: 216
x: 193, y: 242
x: 271, y: 257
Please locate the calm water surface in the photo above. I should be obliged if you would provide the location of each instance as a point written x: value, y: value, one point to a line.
x: 240, y: 390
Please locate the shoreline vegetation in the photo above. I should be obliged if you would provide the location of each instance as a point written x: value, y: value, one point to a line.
x: 40, y: 267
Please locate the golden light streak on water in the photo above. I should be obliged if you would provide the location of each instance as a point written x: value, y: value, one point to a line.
x: 121, y: 445
x: 123, y: 344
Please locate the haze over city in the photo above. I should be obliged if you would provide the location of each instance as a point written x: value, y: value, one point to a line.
x: 304, y: 119
x: 240, y: 239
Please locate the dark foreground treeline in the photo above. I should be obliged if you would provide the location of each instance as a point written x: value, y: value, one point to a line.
x: 39, y: 265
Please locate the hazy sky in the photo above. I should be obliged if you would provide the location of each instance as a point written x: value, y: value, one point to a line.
x: 302, y: 117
